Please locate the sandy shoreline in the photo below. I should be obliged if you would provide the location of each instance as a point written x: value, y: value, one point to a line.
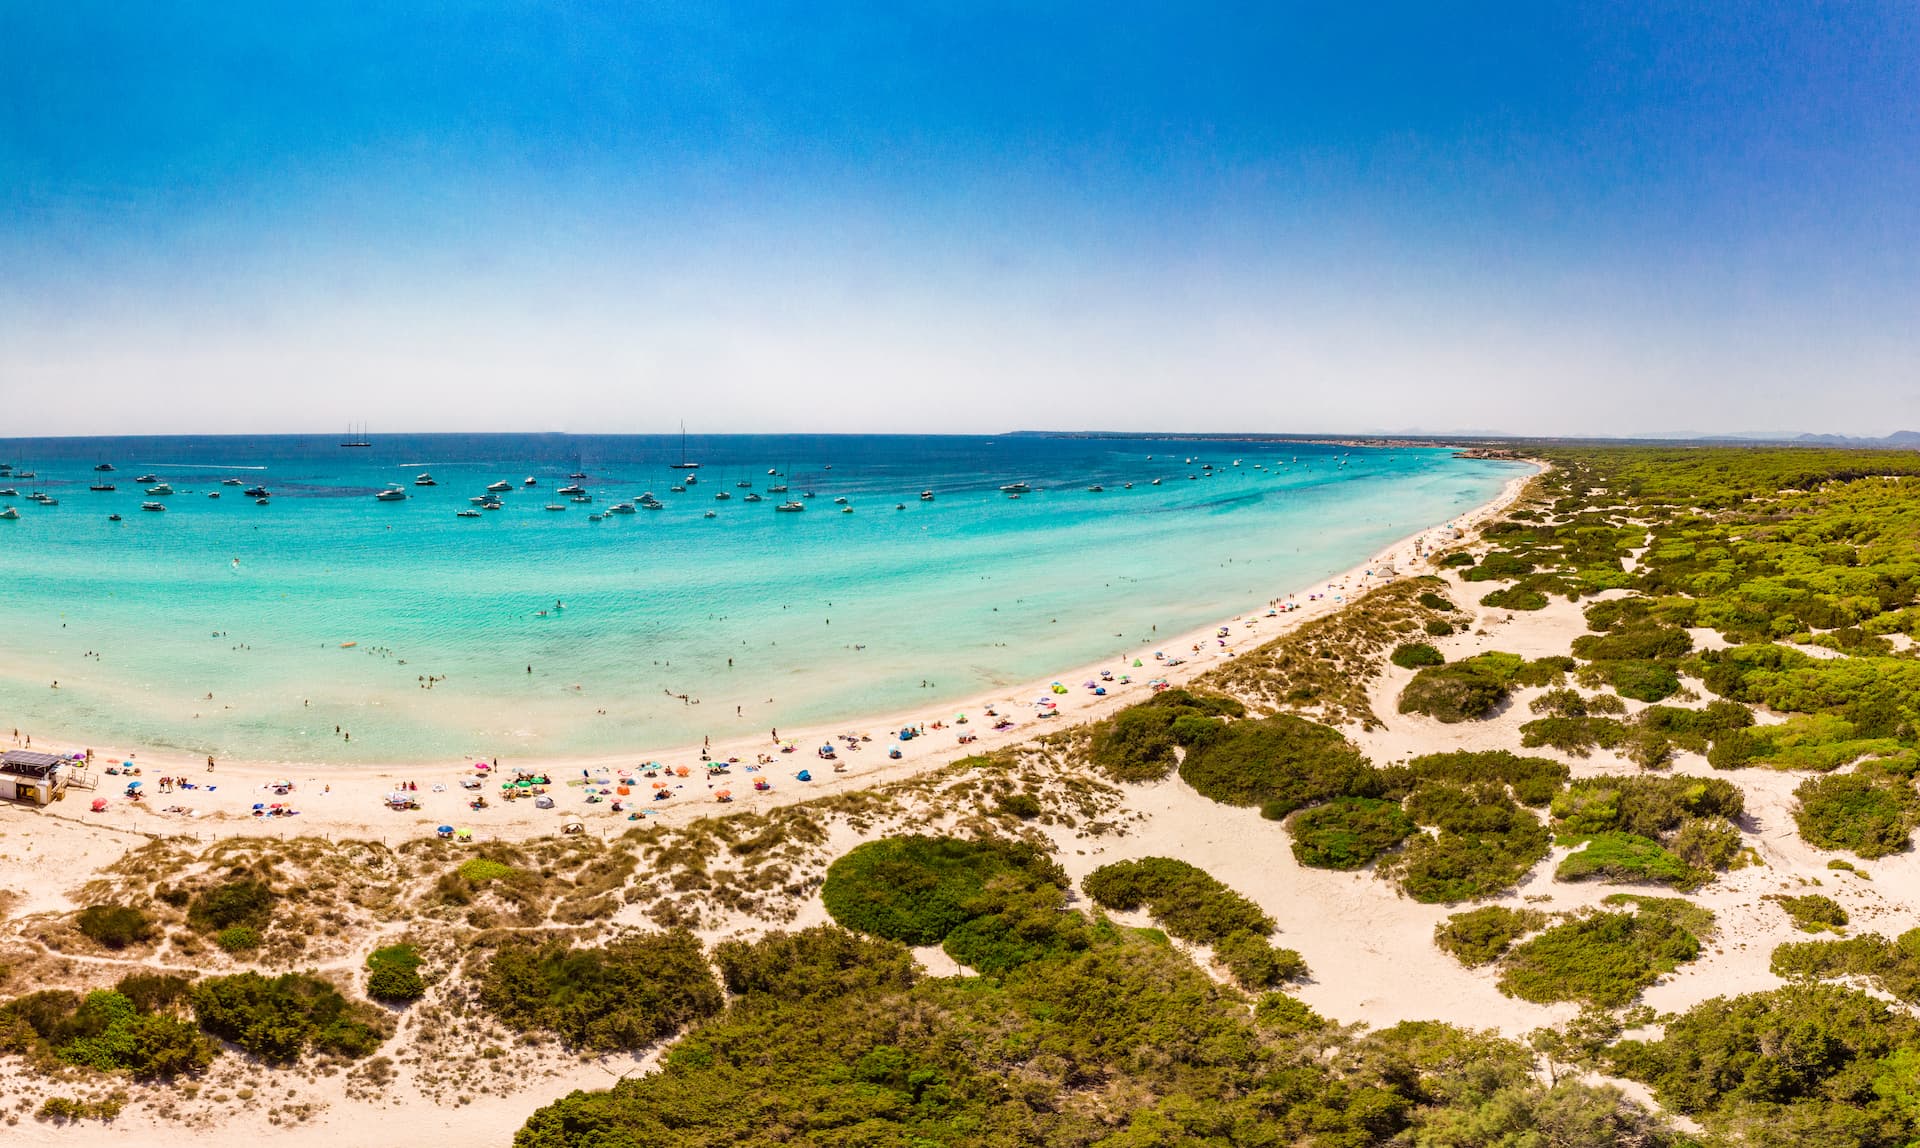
x: 335, y: 799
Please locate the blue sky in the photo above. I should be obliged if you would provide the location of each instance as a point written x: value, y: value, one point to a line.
x: 1545, y: 219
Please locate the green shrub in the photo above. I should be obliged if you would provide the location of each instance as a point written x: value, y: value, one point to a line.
x: 1437, y: 628
x: 1433, y: 601
x: 238, y: 939
x: 1486, y: 844
x: 1812, y: 913
x: 1481, y: 936
x: 1890, y: 966
x: 115, y: 926
x: 813, y: 965
x: 1520, y: 596
x: 1282, y: 1015
x: 243, y: 902
x: 1186, y: 901
x: 109, y: 1031
x: 1867, y: 815
x: 1025, y: 806
x: 1255, y: 963
x: 278, y: 1018
x: 1137, y: 744
x: 1413, y: 655
x: 1604, y: 959
x: 1457, y: 559
x: 1279, y: 764
x: 625, y: 995
x: 1696, y: 919
x: 1533, y: 780
x: 1347, y: 832
x: 394, y: 974
x: 1578, y: 736
x: 1465, y: 690
x: 1498, y: 565
x: 480, y: 870
x: 1641, y: 681
x: 918, y: 889
x: 1626, y: 857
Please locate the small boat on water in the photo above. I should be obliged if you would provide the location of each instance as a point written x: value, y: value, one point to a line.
x: 692, y: 480
x: 153, y: 506
x: 1156, y: 482
x: 754, y: 498
x: 899, y: 506
x: 571, y: 488
x: 25, y: 474
x: 142, y: 478
x: 926, y: 496
x: 683, y: 464
x: 722, y: 496
x: 232, y: 482
x: 261, y: 501
x: 393, y: 493
x: 1015, y: 488
x: 499, y: 486
x: 676, y: 490
x: 424, y: 479
x: 711, y: 514
x: 846, y: 510
x: 744, y: 484
x: 9, y: 514
x: 213, y: 494
x: 581, y: 498
x: 555, y: 506
x: 103, y: 467
x: 620, y: 508
x: 841, y: 501
x: 466, y: 514
x: 656, y: 504
x: 1096, y: 488
x: 161, y: 488
x: 9, y: 492
x: 529, y: 481
x: 790, y: 507
x: 101, y: 486
x: 577, y: 475
x: 781, y: 489
x: 113, y: 518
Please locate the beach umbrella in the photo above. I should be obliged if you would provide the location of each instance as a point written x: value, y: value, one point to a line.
x: 463, y: 834
x: 444, y: 829
x: 134, y: 784
x: 126, y: 763
x: 99, y: 805
x: 724, y: 795
x: 659, y: 785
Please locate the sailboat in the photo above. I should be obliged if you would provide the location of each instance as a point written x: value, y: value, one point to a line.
x: 683, y: 464
x: 356, y: 438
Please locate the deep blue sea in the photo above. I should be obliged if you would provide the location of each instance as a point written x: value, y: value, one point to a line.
x: 793, y: 617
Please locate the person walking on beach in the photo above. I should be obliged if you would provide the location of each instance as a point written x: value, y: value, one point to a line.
x: 209, y: 763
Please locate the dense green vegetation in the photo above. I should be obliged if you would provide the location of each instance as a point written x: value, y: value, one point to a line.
x: 1671, y: 830
x: 1486, y: 842
x: 1193, y: 906
x: 137, y: 1027
x: 1813, y: 913
x: 279, y: 1018
x: 115, y: 926
x: 243, y: 902
x: 624, y: 995
x: 1137, y: 744
x: 1347, y: 832
x: 919, y: 889
x: 1460, y: 691
x: 1413, y: 655
x: 1279, y: 764
x: 1482, y: 936
x: 1803, y: 1065
x: 393, y: 974
x: 1868, y: 813
x: 1603, y: 959
x: 1891, y: 966
x: 1123, y: 1043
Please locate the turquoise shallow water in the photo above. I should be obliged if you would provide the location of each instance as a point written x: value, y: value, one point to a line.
x: 824, y: 614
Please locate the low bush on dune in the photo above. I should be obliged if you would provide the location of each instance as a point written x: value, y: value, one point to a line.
x: 1484, y: 845
x: 1604, y: 959
x: 1482, y: 936
x: 243, y: 902
x: 280, y: 1018
x: 1865, y: 813
x: 1890, y: 966
x: 1465, y: 690
x: 1639, y: 680
x: 1626, y: 857
x: 238, y: 939
x: 917, y: 889
x: 1524, y: 595
x: 393, y: 974
x: 1191, y: 905
x: 1137, y: 744
x: 625, y: 995
x: 1414, y: 655
x: 1278, y: 764
x: 1532, y: 780
x: 135, y: 1028
x: 1812, y: 913
x: 1347, y: 832
x: 115, y: 926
